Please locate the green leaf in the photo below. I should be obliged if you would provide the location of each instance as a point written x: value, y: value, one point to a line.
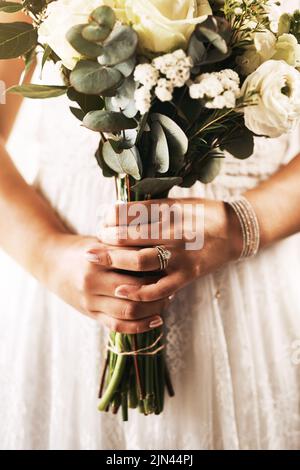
x: 177, y: 140
x: 93, y: 79
x: 196, y: 50
x: 126, y: 68
x: 38, y: 91
x: 125, y: 142
x: 108, y: 121
x: 77, y: 112
x: 81, y: 45
x: 29, y: 59
x: 46, y: 55
x: 95, y: 33
x: 209, y: 31
x: 241, y: 145
x: 210, y: 169
x: 86, y: 102
x: 10, y: 7
x: 160, y: 150
x: 127, y: 162
x: 104, y: 15
x: 16, y: 39
x: 120, y: 46
x: 156, y: 186
x: 107, y: 172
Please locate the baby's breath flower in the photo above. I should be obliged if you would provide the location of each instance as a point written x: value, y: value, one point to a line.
x: 146, y: 74
x: 142, y: 98
x: 164, y: 90
x: 218, y: 90
x: 175, y: 66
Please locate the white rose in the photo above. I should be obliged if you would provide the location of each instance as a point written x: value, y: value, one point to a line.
x: 288, y: 49
x: 275, y: 89
x: 165, y: 25
x: 262, y: 49
x: 61, y: 16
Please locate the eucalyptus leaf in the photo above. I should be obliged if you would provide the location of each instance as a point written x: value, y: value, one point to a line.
x: 95, y: 33
x: 120, y: 46
x: 160, y: 150
x: 16, y: 39
x: 123, y: 99
x: 241, y: 145
x: 126, y: 68
x: 10, y: 7
x: 86, y: 102
x: 104, y: 15
x: 38, y: 91
x: 107, y: 172
x: 156, y: 186
x: 210, y: 169
x: 81, y: 45
x: 93, y: 79
x: 196, y: 50
x: 108, y: 121
x: 177, y: 140
x: 209, y: 31
x: 127, y: 162
x: 125, y: 142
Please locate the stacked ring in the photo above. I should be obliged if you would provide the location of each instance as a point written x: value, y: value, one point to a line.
x: 164, y: 257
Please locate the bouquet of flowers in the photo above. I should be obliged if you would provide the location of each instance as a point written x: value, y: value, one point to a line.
x: 170, y: 86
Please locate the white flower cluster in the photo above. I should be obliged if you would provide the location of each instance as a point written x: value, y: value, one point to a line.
x: 218, y: 89
x: 164, y: 73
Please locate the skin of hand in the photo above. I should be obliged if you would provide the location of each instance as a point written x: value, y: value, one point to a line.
x: 222, y: 244
x: 90, y: 287
x: 95, y: 277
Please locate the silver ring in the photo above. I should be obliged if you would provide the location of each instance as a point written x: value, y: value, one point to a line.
x: 164, y: 257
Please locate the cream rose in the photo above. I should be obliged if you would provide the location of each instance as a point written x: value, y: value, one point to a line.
x: 165, y: 25
x: 61, y: 16
x: 275, y: 89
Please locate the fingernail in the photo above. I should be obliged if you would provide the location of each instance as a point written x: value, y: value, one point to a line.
x: 156, y: 323
x: 92, y: 258
x: 123, y: 292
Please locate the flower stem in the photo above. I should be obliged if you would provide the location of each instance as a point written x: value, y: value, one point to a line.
x: 116, y: 376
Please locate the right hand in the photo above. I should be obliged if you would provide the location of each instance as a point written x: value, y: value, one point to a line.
x: 90, y: 288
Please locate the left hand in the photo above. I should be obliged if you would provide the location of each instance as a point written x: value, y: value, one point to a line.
x: 218, y: 236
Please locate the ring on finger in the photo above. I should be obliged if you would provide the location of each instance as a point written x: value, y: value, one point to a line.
x: 164, y: 257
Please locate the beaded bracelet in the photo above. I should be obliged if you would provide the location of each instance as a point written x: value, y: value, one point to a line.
x: 249, y: 226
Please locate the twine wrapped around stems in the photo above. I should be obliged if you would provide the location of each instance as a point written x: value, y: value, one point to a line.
x: 138, y: 352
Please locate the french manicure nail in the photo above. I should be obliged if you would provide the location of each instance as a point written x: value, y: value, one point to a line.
x: 124, y: 291
x: 156, y: 323
x: 121, y: 292
x: 92, y: 258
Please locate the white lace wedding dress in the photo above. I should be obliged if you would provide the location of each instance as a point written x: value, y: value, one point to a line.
x: 232, y: 336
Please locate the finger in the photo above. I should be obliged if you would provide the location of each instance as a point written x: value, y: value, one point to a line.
x: 102, y: 282
x: 165, y: 287
x: 139, y: 260
x: 125, y: 310
x: 130, y: 327
x: 138, y: 212
x: 157, y: 233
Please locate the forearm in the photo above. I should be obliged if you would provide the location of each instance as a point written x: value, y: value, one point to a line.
x: 27, y: 222
x: 277, y: 203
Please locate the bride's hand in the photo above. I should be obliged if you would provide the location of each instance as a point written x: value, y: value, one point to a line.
x: 90, y: 287
x: 217, y: 240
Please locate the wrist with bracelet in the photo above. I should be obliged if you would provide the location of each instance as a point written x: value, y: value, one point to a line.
x: 249, y: 226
